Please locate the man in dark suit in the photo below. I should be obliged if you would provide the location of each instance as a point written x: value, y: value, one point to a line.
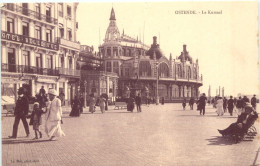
x: 231, y: 105
x: 20, y: 112
x: 253, y: 102
x: 202, y: 103
x: 138, y: 102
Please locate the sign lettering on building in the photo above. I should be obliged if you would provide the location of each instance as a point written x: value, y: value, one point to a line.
x: 29, y: 40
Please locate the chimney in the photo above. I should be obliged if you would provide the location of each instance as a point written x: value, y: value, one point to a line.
x: 154, y: 40
x: 184, y: 48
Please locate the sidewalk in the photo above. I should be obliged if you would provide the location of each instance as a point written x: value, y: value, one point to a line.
x: 159, y: 135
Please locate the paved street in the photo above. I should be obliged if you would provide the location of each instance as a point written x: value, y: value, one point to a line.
x: 160, y: 135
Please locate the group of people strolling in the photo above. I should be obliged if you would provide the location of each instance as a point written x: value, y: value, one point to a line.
x: 50, y: 106
x: 132, y: 101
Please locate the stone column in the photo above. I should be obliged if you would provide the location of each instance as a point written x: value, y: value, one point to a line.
x: 31, y: 29
x: 4, y: 54
x: 66, y: 89
x: 19, y: 26
x: 20, y: 56
x: 3, y: 22
x: 32, y: 58
x: 58, y: 87
x: 33, y: 88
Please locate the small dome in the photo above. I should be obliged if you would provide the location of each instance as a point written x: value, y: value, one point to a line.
x: 185, y: 55
x: 154, y: 49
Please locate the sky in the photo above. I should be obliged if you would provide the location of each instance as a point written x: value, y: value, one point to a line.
x: 225, y: 44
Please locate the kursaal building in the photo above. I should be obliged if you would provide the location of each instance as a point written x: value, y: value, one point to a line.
x: 143, y: 69
x: 39, y: 48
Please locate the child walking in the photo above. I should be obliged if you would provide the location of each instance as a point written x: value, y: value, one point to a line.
x: 36, y: 119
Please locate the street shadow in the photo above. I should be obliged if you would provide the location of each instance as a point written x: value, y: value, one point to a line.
x: 23, y: 141
x: 219, y: 140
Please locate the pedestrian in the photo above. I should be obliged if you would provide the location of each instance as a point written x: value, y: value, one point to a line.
x: 92, y: 103
x: 62, y: 98
x: 162, y: 100
x: 20, y: 112
x: 184, y: 104
x: 81, y: 104
x: 42, y: 91
x: 239, y: 106
x: 253, y: 102
x: 202, y: 103
x: 130, y: 103
x: 225, y: 104
x: 53, y: 116
x: 231, y: 105
x: 102, y: 104
x: 75, y: 107
x: 138, y: 102
x: 36, y: 119
x: 191, y: 102
x: 219, y: 105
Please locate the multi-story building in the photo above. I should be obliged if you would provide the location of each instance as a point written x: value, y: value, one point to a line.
x: 34, y: 50
x: 140, y: 67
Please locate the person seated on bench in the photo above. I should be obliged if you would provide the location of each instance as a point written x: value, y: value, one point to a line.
x: 242, y: 123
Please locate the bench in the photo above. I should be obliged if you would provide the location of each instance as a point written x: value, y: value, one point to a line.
x: 10, y: 108
x: 119, y: 104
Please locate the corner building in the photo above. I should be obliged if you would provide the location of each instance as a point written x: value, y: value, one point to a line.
x: 35, y: 52
x: 139, y: 66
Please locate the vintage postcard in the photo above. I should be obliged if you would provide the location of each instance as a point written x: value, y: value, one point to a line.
x: 130, y: 83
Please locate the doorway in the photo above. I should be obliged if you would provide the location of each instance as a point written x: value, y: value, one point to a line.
x: 11, y: 60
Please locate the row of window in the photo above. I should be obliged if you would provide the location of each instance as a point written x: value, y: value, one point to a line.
x: 38, y: 31
x: 25, y: 9
x: 38, y: 57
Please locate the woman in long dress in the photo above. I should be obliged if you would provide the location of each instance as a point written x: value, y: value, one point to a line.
x: 220, y: 110
x: 75, y: 111
x: 102, y: 104
x: 53, y: 116
x: 130, y: 104
x: 92, y: 104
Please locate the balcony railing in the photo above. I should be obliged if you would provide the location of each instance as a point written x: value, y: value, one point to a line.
x: 28, y: 69
x: 68, y: 43
x: 89, y: 72
x: 69, y: 72
x: 30, y: 13
x: 28, y: 40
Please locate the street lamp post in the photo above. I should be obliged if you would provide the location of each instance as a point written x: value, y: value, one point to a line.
x: 157, y: 82
x: 85, y: 94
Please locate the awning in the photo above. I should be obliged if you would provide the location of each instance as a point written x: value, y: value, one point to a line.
x: 50, y: 81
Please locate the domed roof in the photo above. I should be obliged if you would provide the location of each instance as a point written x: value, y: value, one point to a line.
x: 155, y: 49
x: 185, y: 55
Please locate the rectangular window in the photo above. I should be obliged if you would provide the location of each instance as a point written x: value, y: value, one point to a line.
x: 116, y: 67
x: 48, y: 61
x: 127, y: 72
x: 25, y: 29
x: 10, y: 6
x: 70, y: 62
x: 60, y: 8
x: 48, y: 35
x: 62, y: 62
x: 25, y: 8
x: 26, y: 58
x: 69, y: 35
x: 48, y: 14
x: 38, y: 10
x: 39, y: 60
x: 69, y: 11
x: 10, y: 25
x: 62, y: 32
x: 38, y: 34
x: 109, y: 67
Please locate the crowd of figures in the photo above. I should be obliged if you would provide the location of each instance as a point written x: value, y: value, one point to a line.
x: 50, y: 105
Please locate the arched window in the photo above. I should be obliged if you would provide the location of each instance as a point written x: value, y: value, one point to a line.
x: 189, y: 72
x: 163, y: 70
x: 195, y: 73
x: 145, y: 68
x: 179, y: 71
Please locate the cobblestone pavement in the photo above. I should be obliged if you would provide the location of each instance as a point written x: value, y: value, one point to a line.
x: 159, y: 135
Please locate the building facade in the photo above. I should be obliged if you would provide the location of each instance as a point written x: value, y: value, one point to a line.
x: 35, y: 52
x: 145, y: 70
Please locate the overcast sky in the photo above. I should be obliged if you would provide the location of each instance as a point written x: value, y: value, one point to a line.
x: 226, y: 44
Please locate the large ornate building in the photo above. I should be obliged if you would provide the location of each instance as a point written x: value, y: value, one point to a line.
x: 139, y: 67
x: 38, y: 48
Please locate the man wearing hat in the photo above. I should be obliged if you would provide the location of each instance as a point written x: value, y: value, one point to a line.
x: 53, y: 116
x: 20, y: 112
x: 253, y: 102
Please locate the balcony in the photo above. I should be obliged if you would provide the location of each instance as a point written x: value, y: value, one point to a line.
x: 30, y: 13
x: 68, y: 43
x: 68, y: 72
x: 28, y: 69
x: 96, y: 72
x: 29, y: 40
